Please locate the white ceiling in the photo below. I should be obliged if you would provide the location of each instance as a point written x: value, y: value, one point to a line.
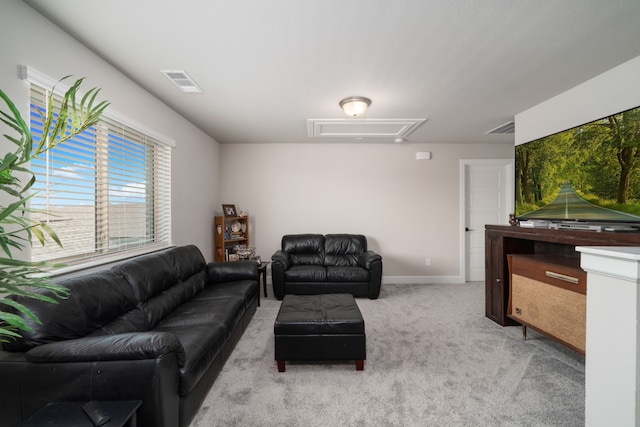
x: 266, y: 67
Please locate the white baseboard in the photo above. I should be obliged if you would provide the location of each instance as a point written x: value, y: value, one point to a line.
x: 415, y: 280
x: 410, y: 280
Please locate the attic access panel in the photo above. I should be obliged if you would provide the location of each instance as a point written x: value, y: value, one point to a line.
x: 363, y: 128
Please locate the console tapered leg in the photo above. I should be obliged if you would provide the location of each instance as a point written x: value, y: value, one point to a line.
x: 281, y: 367
x: 360, y: 365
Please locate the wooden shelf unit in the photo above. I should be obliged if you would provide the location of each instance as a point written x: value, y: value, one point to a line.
x: 225, y: 239
x: 503, y: 240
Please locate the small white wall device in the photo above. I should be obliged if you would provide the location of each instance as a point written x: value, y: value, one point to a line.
x: 423, y: 155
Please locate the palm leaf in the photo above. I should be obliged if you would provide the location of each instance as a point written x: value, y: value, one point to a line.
x: 51, y: 233
x: 21, y: 308
x: 17, y: 229
x: 15, y: 321
x: 7, y: 331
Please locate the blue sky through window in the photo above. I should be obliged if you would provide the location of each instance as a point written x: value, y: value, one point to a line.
x: 72, y: 170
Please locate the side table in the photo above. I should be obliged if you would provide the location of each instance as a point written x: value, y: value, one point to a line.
x: 262, y: 270
x: 65, y: 414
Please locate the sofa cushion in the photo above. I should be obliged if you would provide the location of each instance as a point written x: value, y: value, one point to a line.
x: 184, y: 265
x: 156, y: 282
x: 95, y: 300
x: 187, y: 260
x: 246, y: 290
x: 306, y: 273
x: 159, y: 306
x: 343, y: 249
x: 134, y: 320
x: 202, y: 326
x: 148, y: 275
x: 304, y: 249
x: 347, y: 274
x: 226, y: 311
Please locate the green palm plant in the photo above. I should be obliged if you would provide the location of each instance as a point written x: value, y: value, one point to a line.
x: 17, y: 229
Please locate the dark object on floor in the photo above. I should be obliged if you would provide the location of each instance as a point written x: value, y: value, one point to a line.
x: 120, y: 414
x: 319, y: 327
x: 310, y: 264
x: 156, y: 328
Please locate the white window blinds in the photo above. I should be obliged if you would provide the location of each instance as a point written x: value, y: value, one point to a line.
x: 108, y: 190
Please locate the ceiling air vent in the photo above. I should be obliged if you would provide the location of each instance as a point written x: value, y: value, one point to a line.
x: 509, y: 127
x: 183, y: 81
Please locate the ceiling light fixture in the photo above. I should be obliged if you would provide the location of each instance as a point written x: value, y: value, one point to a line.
x: 355, y: 106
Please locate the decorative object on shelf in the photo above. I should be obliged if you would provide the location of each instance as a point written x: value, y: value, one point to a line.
x: 233, y: 257
x: 236, y: 233
x: 229, y: 210
x: 219, y: 228
x: 243, y: 227
x: 245, y: 252
x: 242, y: 214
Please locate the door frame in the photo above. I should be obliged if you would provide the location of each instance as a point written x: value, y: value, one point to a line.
x: 507, y: 165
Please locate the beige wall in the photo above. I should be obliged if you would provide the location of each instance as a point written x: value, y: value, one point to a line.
x: 407, y: 208
x: 609, y: 93
x: 26, y: 38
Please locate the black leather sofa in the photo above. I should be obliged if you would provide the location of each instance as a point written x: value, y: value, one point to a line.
x: 157, y: 328
x: 309, y: 264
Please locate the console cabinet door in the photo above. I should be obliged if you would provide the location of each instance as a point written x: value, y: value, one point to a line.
x: 495, y: 295
x: 551, y: 298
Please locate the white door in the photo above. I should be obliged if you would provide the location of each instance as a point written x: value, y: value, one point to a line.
x: 487, y: 198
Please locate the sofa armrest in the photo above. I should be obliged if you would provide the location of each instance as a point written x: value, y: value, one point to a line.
x: 280, y: 262
x: 372, y: 262
x: 154, y: 381
x: 367, y: 258
x: 281, y: 257
x: 218, y: 272
x: 129, y: 346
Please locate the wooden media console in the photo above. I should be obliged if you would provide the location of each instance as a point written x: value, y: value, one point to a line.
x: 546, y: 250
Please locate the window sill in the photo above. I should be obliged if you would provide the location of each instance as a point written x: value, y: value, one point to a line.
x: 103, y: 262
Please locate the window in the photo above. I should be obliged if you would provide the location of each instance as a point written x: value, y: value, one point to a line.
x: 108, y: 190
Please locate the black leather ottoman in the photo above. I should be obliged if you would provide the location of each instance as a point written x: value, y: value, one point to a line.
x: 319, y: 327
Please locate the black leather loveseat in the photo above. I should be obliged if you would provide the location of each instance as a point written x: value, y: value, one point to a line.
x: 310, y: 264
x: 157, y: 328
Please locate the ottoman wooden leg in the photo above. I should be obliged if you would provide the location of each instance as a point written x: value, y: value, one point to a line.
x: 360, y: 365
x: 281, y: 367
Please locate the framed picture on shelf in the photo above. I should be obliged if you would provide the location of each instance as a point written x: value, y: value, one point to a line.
x: 233, y: 257
x: 229, y: 210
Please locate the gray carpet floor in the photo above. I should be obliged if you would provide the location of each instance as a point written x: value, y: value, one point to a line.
x: 433, y: 359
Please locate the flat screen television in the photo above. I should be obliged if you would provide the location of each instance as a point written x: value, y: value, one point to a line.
x: 589, y: 173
